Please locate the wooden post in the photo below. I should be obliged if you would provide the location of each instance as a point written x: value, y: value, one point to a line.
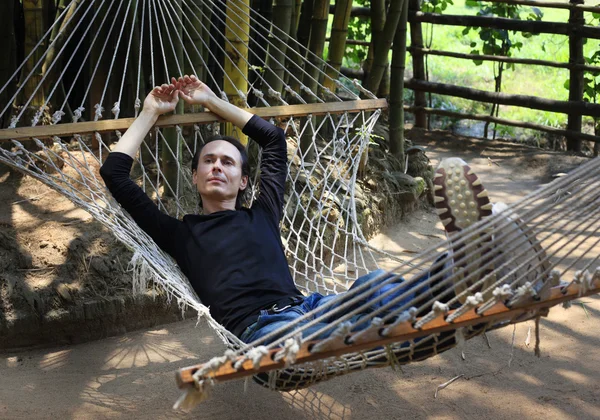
x: 418, y: 58
x: 8, y: 60
x: 575, y: 75
x: 396, y: 116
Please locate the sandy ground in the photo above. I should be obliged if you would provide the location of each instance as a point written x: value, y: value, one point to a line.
x: 132, y: 376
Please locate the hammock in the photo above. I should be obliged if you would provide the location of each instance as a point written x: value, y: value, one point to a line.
x: 508, y: 266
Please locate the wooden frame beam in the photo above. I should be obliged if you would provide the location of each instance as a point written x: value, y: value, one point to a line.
x: 533, y: 102
x: 503, y: 121
x: 506, y: 23
x: 121, y: 124
x: 400, y: 333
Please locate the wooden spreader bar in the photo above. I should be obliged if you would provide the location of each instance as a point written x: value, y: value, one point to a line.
x: 400, y: 333
x: 121, y: 124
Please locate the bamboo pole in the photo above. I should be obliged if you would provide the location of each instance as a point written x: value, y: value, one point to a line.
x: 382, y: 48
x: 418, y: 60
x: 316, y: 44
x: 575, y: 76
x: 302, y: 36
x: 318, y: 29
x: 292, y: 58
x: 565, y: 107
x: 337, y: 45
x: 237, y: 32
x: 396, y: 115
x: 33, y: 15
x: 377, y: 23
x: 258, y: 35
x: 172, y: 152
x: 8, y: 60
x: 504, y: 121
x: 282, y: 19
x: 198, y: 37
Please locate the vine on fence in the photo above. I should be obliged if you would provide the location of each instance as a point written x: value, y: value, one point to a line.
x: 499, y: 41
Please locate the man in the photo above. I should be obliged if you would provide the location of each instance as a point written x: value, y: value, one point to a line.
x: 232, y: 256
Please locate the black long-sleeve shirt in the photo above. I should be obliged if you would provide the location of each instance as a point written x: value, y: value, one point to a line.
x: 234, y: 260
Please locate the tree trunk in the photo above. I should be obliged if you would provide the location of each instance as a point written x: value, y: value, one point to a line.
x: 236, y: 64
x: 8, y: 60
x: 382, y: 48
x: 377, y: 24
x: 396, y: 116
x: 337, y: 43
x: 276, y: 55
x: 172, y: 151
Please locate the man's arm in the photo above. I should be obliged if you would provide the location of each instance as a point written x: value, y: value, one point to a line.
x: 273, y: 167
x: 162, y: 99
x: 273, y: 163
x: 115, y: 170
x: 194, y: 92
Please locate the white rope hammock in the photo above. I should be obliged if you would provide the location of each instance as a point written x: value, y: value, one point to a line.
x: 508, y: 262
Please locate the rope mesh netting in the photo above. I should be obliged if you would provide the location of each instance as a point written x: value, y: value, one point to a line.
x: 513, y: 257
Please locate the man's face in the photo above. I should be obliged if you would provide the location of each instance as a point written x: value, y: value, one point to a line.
x: 219, y: 174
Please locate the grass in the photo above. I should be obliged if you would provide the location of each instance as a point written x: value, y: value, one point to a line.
x: 544, y: 82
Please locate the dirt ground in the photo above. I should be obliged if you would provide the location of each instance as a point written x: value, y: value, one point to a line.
x: 132, y: 376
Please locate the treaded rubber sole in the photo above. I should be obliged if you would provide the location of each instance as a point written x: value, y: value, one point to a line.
x: 461, y: 200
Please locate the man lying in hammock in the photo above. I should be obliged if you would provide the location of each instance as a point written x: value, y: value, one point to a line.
x: 232, y: 256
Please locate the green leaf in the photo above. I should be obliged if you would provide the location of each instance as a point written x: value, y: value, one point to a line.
x: 473, y: 44
x: 471, y: 3
x: 567, y: 84
x: 478, y: 62
x: 537, y: 12
x: 596, y: 15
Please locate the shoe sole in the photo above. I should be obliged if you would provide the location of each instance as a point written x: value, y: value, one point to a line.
x: 460, y: 201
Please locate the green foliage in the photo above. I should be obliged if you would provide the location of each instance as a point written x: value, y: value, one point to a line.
x: 499, y: 41
x: 435, y: 6
x: 359, y: 28
x: 591, y: 81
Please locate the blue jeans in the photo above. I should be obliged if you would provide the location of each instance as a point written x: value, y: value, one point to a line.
x: 269, y: 321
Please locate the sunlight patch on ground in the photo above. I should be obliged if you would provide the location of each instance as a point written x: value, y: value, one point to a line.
x: 573, y: 376
x: 145, y: 353
x: 54, y: 360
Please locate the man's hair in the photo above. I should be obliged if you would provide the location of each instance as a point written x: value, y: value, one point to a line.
x: 241, y: 196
